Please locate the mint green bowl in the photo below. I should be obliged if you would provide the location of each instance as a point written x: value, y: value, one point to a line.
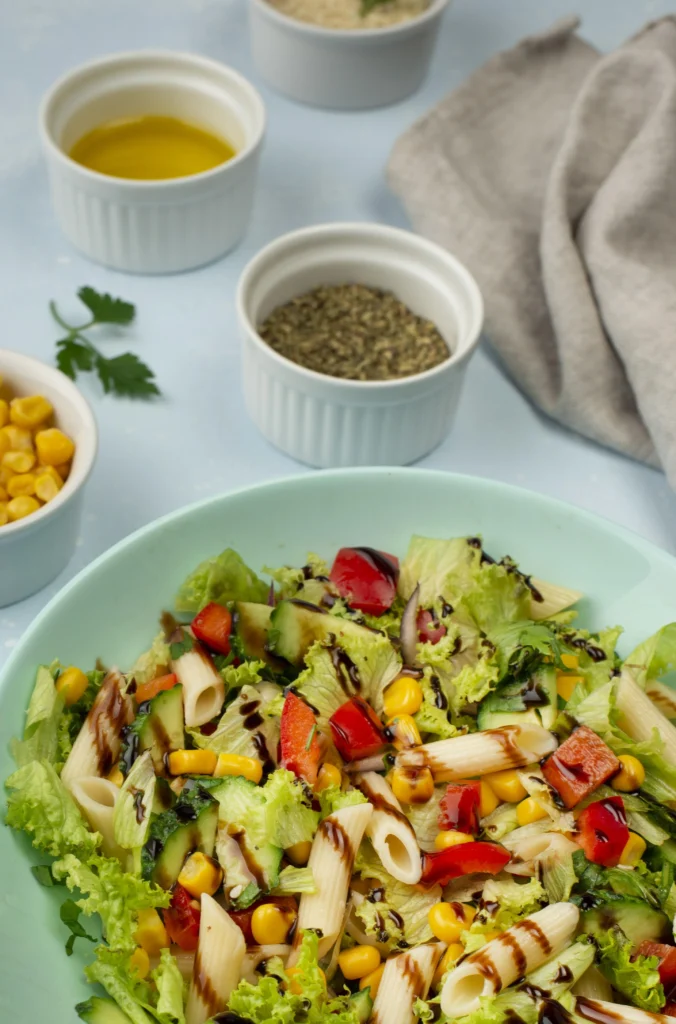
x: 111, y: 611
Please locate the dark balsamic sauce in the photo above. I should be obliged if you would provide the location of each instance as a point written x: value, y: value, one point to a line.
x: 381, y: 562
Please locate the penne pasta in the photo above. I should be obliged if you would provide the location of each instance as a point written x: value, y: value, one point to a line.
x: 390, y: 831
x: 203, y: 688
x: 638, y: 716
x: 662, y: 697
x: 601, y: 1012
x: 218, y: 963
x: 481, y: 753
x: 96, y: 798
x: 593, y: 985
x: 332, y: 858
x: 98, y: 744
x: 407, y: 977
x: 554, y: 599
x: 519, y: 950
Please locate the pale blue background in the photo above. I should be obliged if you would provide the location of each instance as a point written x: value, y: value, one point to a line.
x: 317, y: 166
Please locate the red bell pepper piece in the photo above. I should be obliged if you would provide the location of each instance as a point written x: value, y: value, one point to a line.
x: 146, y: 691
x: 212, y: 626
x: 669, y: 1010
x: 580, y: 765
x: 603, y: 832
x: 357, y: 731
x: 242, y: 918
x: 459, y: 807
x: 667, y: 957
x: 429, y: 630
x: 300, y: 748
x: 467, y: 859
x: 182, y: 918
x: 366, y: 578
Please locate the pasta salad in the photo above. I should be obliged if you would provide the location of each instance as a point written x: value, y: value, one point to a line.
x: 367, y: 792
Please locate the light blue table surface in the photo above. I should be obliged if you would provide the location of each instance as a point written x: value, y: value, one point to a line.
x: 317, y: 166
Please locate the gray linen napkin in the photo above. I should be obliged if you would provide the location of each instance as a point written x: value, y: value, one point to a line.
x: 551, y: 172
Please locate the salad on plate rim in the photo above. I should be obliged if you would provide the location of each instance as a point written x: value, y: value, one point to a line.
x: 367, y: 792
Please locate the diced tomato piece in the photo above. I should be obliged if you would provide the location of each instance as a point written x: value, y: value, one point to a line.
x: 146, y: 691
x: 366, y: 578
x: 300, y: 748
x: 182, y: 919
x: 603, y: 832
x: 467, y: 859
x: 242, y: 918
x: 357, y: 731
x: 667, y: 957
x: 459, y: 807
x: 580, y: 765
x: 212, y: 626
x: 429, y: 630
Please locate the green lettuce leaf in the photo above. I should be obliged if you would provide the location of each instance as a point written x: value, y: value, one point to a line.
x: 595, y: 673
x: 333, y: 798
x: 248, y: 673
x: 170, y: 988
x: 655, y: 657
x: 153, y: 662
x: 377, y: 662
x: 112, y: 893
x: 38, y: 803
x: 111, y: 971
x: 434, y: 721
x: 220, y: 579
x: 288, y: 817
x: 318, y: 683
x: 522, y: 645
x: 412, y: 905
x: 636, y: 977
x: 139, y: 786
x: 474, y: 682
x: 497, y: 594
x: 510, y: 901
x: 295, y: 881
x: 439, y: 566
x: 41, y: 733
x: 230, y: 737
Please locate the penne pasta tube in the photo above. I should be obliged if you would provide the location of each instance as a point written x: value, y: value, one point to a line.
x: 544, y: 844
x: 662, y: 697
x: 257, y: 955
x: 601, y: 1012
x: 407, y: 977
x: 593, y: 985
x: 554, y: 599
x: 218, y: 963
x: 98, y: 744
x: 638, y: 716
x: 203, y: 688
x: 519, y: 950
x: 331, y: 859
x: 390, y: 831
x: 481, y: 753
x: 96, y: 798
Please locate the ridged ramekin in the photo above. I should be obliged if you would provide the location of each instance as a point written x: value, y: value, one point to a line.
x: 343, y: 69
x: 327, y: 421
x: 34, y: 550
x: 153, y: 226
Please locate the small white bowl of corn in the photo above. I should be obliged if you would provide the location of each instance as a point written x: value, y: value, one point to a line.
x: 48, y: 443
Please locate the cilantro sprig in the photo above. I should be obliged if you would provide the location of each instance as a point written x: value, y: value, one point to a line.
x: 124, y: 375
x: 368, y: 5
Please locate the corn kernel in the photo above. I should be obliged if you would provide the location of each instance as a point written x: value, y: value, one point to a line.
x: 404, y: 732
x: 4, y: 412
x: 63, y: 470
x: 489, y: 936
x: 299, y: 853
x: 631, y: 775
x: 3, y: 494
x: 151, y: 934
x: 270, y: 924
x: 21, y: 483
x: 633, y: 850
x: 529, y: 810
x: 566, y: 683
x: 448, y: 960
x: 16, y: 439
x: 233, y: 764
x: 570, y: 661
x: 506, y: 785
x: 449, y: 920
x: 295, y: 988
x: 5, y: 474
x: 359, y: 961
x: 139, y: 962
x: 53, y: 446
x: 488, y: 800
x: 19, y: 508
x: 372, y: 981
x: 402, y: 697
x: 30, y: 412
x: 18, y: 462
x: 71, y: 684
x: 48, y: 483
x: 117, y: 778
x: 328, y: 776
x: 444, y: 840
x: 200, y: 874
x: 4, y: 514
x: 192, y: 762
x: 412, y: 785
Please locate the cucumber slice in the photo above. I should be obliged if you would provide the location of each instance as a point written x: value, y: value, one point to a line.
x: 174, y: 834
x: 532, y: 700
x: 637, y: 920
x: 160, y: 726
x: 101, y: 1011
x: 250, y: 633
x: 296, y: 625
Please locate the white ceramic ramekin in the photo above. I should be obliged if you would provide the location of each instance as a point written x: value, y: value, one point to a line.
x: 327, y: 421
x: 34, y: 550
x: 153, y: 226
x: 348, y: 70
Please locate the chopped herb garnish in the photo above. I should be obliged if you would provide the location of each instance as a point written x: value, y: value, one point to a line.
x: 70, y: 915
x: 311, y: 736
x: 182, y: 646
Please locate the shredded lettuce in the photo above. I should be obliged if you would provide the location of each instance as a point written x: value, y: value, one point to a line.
x: 377, y: 663
x: 295, y: 880
x: 40, y: 736
x: 498, y: 594
x: 170, y: 988
x: 134, y: 997
x: 437, y: 565
x: 288, y: 817
x: 139, y: 785
x: 39, y: 803
x: 514, y: 900
x: 318, y: 684
x: 248, y: 673
x: 333, y: 798
x: 655, y: 657
x: 474, y: 682
x: 153, y: 662
x: 635, y: 977
x: 412, y: 905
x: 230, y: 737
x: 220, y: 579
x: 522, y: 645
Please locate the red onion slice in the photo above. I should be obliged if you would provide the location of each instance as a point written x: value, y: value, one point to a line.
x: 409, y: 628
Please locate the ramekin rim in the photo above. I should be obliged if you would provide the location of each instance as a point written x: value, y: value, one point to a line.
x: 435, y: 8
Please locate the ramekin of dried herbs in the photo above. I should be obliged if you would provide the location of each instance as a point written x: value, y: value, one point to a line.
x: 356, y: 339
x: 344, y: 54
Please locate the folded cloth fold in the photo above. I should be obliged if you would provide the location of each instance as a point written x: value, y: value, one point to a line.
x: 551, y: 172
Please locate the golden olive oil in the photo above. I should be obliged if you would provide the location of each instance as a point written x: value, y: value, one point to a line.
x: 150, y: 148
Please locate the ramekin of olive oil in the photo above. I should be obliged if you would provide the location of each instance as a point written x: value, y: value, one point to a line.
x: 151, y: 148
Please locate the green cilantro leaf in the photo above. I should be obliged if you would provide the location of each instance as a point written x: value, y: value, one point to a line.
x: 181, y: 647
x: 368, y: 5
x: 70, y: 915
x: 73, y: 356
x: 42, y: 873
x: 105, y: 309
x: 126, y: 375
